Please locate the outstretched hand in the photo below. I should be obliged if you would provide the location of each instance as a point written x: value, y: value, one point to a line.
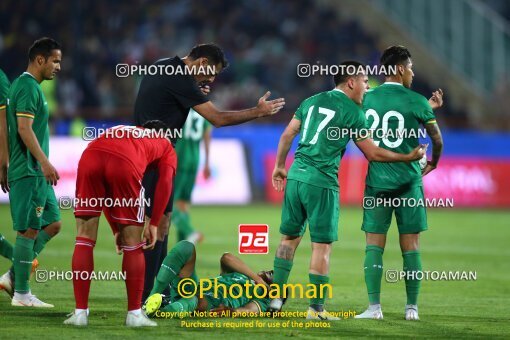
x: 436, y: 101
x: 270, y: 107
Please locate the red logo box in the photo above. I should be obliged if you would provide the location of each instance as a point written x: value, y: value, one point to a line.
x: 253, y: 239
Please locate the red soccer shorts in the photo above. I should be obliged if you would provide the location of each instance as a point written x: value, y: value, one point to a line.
x: 107, y: 182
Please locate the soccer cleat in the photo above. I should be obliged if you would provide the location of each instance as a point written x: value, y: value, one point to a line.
x: 372, y: 312
x: 7, y: 283
x: 412, y: 312
x: 152, y: 304
x: 29, y: 300
x: 77, y: 319
x: 139, y: 320
x: 275, y: 305
x: 7, y: 280
x: 324, y: 315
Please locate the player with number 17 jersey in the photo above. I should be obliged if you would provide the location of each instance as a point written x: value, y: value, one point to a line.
x: 313, y: 176
x: 324, y: 117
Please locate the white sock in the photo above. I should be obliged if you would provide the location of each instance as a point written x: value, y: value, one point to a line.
x: 412, y: 307
x: 77, y: 311
x: 136, y: 311
x: 21, y: 296
x: 193, y: 238
x: 374, y: 307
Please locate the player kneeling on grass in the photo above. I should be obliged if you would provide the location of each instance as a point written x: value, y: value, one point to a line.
x: 179, y: 265
x: 113, y: 168
x: 326, y: 123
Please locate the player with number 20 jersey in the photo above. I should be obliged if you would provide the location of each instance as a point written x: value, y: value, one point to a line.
x: 395, y: 115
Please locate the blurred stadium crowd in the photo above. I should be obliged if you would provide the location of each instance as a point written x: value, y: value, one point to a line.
x: 264, y: 40
x: 500, y: 6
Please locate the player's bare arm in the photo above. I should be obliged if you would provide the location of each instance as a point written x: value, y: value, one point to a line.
x: 28, y: 137
x: 4, y: 152
x: 376, y: 154
x: 279, y: 172
x: 224, y: 118
x: 436, y: 101
x: 161, y: 196
x: 231, y: 263
x: 437, y: 146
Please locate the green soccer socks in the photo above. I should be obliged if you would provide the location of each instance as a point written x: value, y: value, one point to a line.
x: 373, y: 272
x: 184, y: 305
x: 23, y: 255
x: 412, y: 265
x: 5, y: 248
x: 282, y: 270
x: 172, y: 265
x: 317, y: 302
x: 40, y: 242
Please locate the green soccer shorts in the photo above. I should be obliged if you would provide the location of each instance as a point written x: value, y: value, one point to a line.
x: 184, y: 184
x: 33, y: 203
x: 319, y: 206
x: 411, y: 218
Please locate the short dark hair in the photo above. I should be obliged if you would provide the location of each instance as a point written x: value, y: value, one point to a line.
x: 43, y: 47
x: 212, y: 52
x: 395, y: 55
x: 155, y: 125
x: 346, y: 71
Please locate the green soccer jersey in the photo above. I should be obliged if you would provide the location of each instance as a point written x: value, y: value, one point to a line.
x: 328, y: 121
x: 188, y: 148
x: 239, y: 295
x: 395, y: 114
x: 26, y: 99
x: 4, y: 88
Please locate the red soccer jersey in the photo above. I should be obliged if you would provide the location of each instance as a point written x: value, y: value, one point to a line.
x: 143, y: 148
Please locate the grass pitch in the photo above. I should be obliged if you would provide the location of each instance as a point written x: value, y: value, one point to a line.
x: 456, y: 240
